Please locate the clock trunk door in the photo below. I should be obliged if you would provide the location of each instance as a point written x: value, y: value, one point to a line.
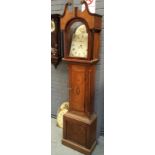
x: 77, y: 88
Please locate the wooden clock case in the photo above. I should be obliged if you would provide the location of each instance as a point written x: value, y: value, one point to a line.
x: 79, y: 130
x: 55, y: 40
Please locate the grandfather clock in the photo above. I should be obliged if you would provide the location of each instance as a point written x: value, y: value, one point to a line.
x: 81, y: 35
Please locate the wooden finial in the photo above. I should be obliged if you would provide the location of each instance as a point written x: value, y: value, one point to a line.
x: 82, y: 1
x: 70, y: 2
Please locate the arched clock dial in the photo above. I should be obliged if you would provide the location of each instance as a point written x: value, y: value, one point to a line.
x: 52, y: 26
x: 79, y: 42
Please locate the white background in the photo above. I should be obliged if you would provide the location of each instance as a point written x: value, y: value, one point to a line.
x: 25, y: 77
x: 91, y: 6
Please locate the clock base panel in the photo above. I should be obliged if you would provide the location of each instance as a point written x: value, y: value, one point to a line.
x: 79, y: 132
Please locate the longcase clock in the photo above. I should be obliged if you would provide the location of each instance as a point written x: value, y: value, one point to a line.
x: 81, y: 35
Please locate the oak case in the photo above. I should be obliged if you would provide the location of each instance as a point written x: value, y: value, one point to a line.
x: 79, y: 130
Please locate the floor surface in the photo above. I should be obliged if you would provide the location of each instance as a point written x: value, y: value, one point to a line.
x: 59, y: 149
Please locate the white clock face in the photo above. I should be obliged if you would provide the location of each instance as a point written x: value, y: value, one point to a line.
x: 52, y: 26
x: 79, y: 43
x: 60, y: 117
x: 62, y: 110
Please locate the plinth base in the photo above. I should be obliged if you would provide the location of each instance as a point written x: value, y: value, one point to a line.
x: 79, y: 147
x: 79, y: 132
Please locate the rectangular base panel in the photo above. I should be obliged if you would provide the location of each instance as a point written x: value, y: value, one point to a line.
x: 79, y: 147
x: 79, y: 132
